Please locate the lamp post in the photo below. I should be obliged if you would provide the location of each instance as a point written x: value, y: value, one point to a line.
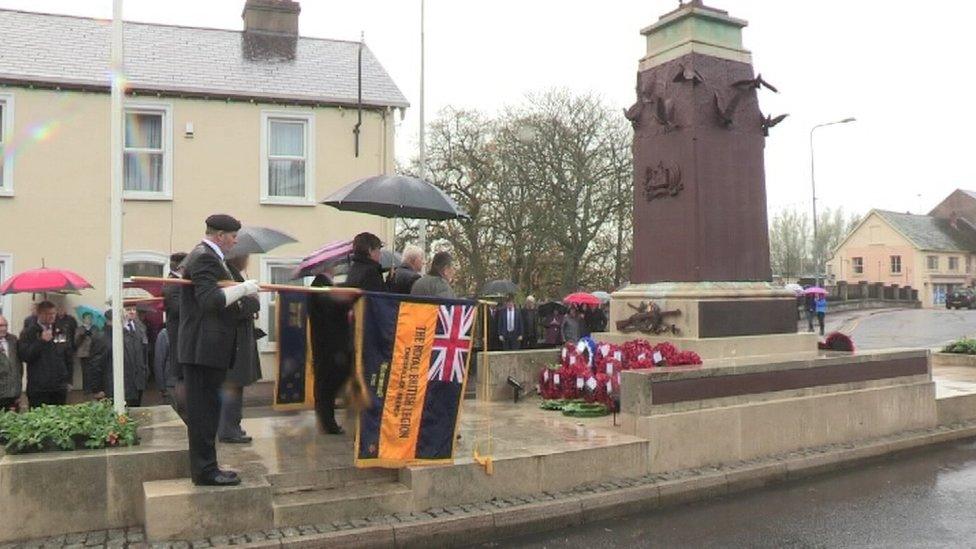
x: 813, y: 187
x: 422, y: 138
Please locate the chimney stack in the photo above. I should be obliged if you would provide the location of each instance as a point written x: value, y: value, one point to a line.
x: 278, y: 17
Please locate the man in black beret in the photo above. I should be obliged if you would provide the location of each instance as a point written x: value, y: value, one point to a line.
x: 209, y: 312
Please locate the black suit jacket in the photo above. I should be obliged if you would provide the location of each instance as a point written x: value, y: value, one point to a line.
x: 207, y: 326
x: 171, y: 301
x: 501, y: 322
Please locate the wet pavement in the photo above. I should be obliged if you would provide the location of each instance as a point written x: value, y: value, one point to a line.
x: 920, y: 499
x: 906, y: 327
x: 286, y: 442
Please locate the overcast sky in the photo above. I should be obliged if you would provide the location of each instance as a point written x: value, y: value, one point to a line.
x: 900, y: 67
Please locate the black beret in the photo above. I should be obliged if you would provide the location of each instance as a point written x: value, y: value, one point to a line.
x: 223, y: 222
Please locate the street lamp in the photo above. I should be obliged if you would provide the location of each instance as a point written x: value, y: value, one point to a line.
x: 813, y: 186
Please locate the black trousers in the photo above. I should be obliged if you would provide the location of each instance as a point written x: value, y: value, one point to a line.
x: 510, y: 342
x: 203, y: 415
x: 331, y: 373
x: 38, y: 398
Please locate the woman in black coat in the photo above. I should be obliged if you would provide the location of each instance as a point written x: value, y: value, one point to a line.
x: 365, y: 271
x: 246, y: 368
x: 332, y: 342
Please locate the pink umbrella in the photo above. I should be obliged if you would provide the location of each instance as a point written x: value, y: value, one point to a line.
x: 44, y: 280
x: 815, y: 290
x: 335, y: 251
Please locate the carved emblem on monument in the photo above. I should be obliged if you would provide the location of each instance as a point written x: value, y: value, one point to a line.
x: 648, y: 319
x: 662, y: 181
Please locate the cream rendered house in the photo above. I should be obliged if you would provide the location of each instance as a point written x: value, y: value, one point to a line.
x: 933, y: 255
x: 258, y: 124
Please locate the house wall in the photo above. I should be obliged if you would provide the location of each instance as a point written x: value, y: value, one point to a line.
x: 875, y: 241
x: 59, y: 211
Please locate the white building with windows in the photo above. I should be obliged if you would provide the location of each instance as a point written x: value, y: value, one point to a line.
x: 255, y: 123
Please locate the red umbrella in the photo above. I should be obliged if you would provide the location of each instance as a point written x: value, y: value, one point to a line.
x: 582, y: 298
x: 815, y: 290
x: 36, y: 281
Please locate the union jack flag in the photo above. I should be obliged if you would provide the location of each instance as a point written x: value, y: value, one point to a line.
x: 452, y: 343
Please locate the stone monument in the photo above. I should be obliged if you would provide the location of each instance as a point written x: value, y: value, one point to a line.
x: 701, y: 245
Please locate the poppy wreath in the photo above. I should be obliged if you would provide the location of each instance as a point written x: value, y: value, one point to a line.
x: 549, y: 382
x: 837, y: 341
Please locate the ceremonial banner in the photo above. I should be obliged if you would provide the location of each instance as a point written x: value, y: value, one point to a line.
x: 295, y: 383
x: 413, y: 356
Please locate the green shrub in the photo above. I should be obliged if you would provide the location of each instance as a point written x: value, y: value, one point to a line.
x: 964, y: 346
x: 90, y: 425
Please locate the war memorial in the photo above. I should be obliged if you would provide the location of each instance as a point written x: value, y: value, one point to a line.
x: 765, y: 406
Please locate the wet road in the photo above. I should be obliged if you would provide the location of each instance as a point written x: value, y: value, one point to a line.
x: 921, y: 499
x: 908, y: 328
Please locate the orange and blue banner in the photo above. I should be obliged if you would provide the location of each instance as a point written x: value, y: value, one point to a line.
x: 413, y: 356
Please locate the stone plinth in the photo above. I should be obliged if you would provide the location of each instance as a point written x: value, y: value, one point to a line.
x: 716, y: 319
x: 178, y: 510
x: 62, y: 492
x: 730, y: 410
x: 523, y: 366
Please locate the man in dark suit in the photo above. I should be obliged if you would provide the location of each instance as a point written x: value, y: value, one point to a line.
x: 209, y: 314
x: 44, y: 347
x: 509, y: 324
x: 173, y: 374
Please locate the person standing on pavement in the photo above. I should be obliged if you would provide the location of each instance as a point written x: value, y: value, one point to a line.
x: 437, y: 282
x: 365, y: 271
x: 135, y: 371
x: 11, y: 369
x: 246, y: 368
x: 820, y: 303
x: 810, y: 305
x: 209, y: 315
x: 402, y: 278
x: 530, y: 324
x: 171, y: 302
x: 328, y: 315
x: 509, y: 323
x: 44, y: 347
x: 570, y: 328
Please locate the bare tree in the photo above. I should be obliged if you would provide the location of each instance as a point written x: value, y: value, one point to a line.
x: 580, y: 161
x: 788, y: 243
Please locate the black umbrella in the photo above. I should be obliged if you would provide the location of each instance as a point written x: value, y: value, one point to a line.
x: 547, y: 309
x: 258, y: 240
x: 500, y: 287
x: 396, y: 196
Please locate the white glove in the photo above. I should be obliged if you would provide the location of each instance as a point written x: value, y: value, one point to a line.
x: 233, y: 293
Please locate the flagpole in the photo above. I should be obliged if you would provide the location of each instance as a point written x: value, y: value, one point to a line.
x: 422, y: 161
x: 115, y: 263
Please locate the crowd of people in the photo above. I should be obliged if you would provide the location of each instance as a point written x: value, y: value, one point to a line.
x: 205, y: 353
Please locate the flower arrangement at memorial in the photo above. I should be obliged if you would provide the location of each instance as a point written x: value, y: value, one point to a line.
x: 836, y: 341
x: 91, y: 425
x: 586, y: 381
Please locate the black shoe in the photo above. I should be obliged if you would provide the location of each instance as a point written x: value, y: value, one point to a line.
x: 220, y: 478
x: 334, y: 429
x: 236, y: 440
x: 228, y: 472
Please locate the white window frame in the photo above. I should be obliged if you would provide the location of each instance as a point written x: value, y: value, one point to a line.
x: 891, y: 264
x: 953, y: 264
x: 310, y: 180
x: 855, y: 266
x: 928, y: 262
x: 165, y: 109
x: 7, y: 131
x: 146, y: 256
x: 133, y: 256
x: 265, y: 345
x: 7, y: 301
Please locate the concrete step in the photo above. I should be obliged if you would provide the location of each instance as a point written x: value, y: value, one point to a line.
x: 348, y: 502
x: 326, y: 479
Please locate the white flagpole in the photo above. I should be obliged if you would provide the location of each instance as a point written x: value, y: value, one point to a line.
x: 422, y: 138
x: 115, y: 266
